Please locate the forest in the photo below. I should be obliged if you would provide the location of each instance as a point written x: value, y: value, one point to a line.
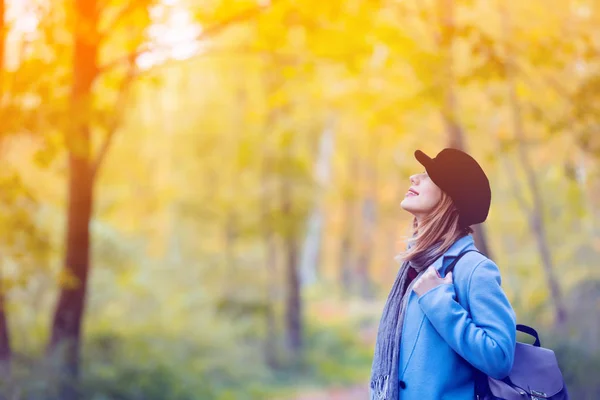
x: 201, y: 199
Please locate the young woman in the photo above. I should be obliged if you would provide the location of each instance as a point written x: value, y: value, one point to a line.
x: 437, y: 330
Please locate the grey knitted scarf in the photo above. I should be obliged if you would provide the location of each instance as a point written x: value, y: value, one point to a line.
x: 384, y: 371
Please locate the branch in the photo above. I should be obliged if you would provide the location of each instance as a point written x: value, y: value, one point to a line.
x: 123, y: 12
x: 278, y: 57
x: 119, y: 113
x: 517, y: 191
x: 512, y: 174
x: 205, y: 34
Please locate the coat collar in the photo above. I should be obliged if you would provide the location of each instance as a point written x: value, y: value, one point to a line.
x: 414, y: 313
x: 462, y: 244
x: 459, y: 246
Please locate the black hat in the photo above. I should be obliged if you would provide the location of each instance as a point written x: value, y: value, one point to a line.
x: 461, y: 178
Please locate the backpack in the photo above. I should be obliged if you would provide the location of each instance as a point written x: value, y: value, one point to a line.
x: 535, y: 374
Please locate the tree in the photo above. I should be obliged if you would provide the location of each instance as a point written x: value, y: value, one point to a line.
x: 66, y: 326
x: 450, y: 116
x: 5, y: 349
x: 535, y: 212
x: 311, y: 250
x: 84, y: 165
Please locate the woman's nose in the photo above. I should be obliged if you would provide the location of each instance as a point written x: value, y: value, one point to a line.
x: 413, y: 179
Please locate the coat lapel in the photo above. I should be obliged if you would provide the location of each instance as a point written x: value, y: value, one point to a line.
x: 462, y: 244
x: 414, y: 315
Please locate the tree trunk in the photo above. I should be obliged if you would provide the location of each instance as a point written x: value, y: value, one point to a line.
x: 368, y: 218
x: 5, y: 349
x: 271, y: 356
x: 536, y: 212
x: 393, y: 238
x: 594, y: 195
x: 229, y: 239
x: 64, y: 345
x: 232, y: 225
x: 346, y: 255
x: 368, y: 212
x: 456, y: 136
x: 2, y: 45
x: 270, y: 344
x: 293, y: 301
x: 311, y: 249
x: 480, y: 239
x: 456, y: 141
x: 346, y: 269
x: 66, y: 326
x: 587, y: 177
x: 163, y: 171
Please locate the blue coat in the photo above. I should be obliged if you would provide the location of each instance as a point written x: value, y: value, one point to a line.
x: 453, y: 326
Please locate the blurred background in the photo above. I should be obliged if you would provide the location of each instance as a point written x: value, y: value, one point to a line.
x: 200, y: 199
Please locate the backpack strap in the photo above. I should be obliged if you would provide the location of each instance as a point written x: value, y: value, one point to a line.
x: 530, y: 331
x: 453, y: 263
x: 482, y: 388
x: 481, y: 382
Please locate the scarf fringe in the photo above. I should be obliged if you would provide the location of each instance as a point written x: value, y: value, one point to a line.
x: 379, y: 388
x: 384, y: 371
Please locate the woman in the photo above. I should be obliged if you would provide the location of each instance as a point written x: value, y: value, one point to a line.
x: 437, y: 330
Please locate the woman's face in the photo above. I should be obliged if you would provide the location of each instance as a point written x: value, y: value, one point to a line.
x: 422, y: 196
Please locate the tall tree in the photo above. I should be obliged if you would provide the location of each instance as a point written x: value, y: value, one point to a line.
x: 347, y: 257
x: 368, y: 218
x: 268, y: 204
x: 5, y: 349
x: 64, y: 345
x: 84, y: 164
x: 311, y: 250
x: 450, y: 114
x: 290, y: 237
x: 270, y: 245
x: 535, y: 212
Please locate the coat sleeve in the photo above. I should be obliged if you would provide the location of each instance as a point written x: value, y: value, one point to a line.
x: 486, y: 336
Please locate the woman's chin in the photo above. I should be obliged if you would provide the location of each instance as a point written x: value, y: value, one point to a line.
x: 405, y: 204
x: 408, y: 205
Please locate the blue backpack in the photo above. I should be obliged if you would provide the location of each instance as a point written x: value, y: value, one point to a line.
x: 535, y: 374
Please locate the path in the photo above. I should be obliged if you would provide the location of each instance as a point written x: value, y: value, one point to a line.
x: 353, y: 393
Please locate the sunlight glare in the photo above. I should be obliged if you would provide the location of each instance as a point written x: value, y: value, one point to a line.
x: 172, y: 35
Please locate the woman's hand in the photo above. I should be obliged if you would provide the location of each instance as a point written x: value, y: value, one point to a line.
x: 429, y: 280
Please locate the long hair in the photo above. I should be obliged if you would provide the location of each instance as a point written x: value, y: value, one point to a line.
x: 440, y: 225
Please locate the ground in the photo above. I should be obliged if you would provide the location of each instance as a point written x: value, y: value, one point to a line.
x: 359, y: 392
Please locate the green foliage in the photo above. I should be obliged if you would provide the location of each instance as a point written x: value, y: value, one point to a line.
x: 213, y: 171
x: 135, y: 365
x: 579, y: 366
x: 336, y: 357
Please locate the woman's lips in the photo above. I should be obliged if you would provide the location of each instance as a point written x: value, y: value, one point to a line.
x: 412, y: 192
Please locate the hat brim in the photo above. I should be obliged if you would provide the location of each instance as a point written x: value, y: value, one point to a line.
x: 424, y: 159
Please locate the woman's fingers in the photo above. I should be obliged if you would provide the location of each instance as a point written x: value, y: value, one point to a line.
x: 429, y: 280
x: 448, y: 277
